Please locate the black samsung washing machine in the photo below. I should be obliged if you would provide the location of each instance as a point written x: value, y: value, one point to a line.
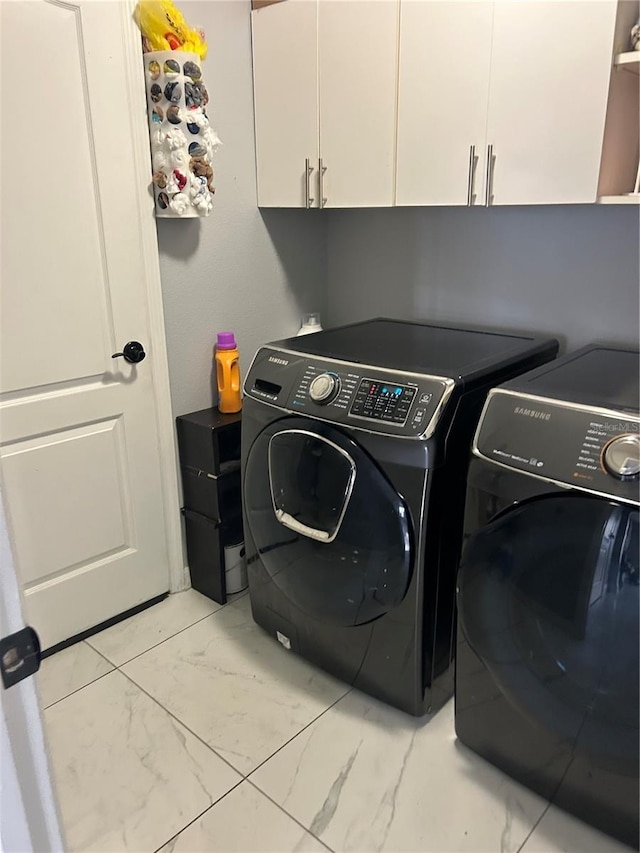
x: 355, y: 447
x: 547, y: 651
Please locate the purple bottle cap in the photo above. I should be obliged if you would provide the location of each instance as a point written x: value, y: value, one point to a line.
x: 226, y: 340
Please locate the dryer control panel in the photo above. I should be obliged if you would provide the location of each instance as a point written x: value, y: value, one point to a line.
x: 366, y: 397
x: 591, y: 449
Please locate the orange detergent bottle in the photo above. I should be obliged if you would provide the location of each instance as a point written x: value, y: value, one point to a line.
x: 228, y: 373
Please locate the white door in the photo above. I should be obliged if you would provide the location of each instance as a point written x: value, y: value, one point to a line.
x: 443, y: 93
x: 27, y: 803
x: 550, y: 67
x: 357, y: 66
x: 285, y: 82
x: 79, y: 431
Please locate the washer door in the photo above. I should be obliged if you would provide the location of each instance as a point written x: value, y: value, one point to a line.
x: 548, y: 599
x: 330, y: 529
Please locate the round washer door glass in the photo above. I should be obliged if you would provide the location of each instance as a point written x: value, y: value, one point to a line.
x: 548, y: 600
x: 328, y: 526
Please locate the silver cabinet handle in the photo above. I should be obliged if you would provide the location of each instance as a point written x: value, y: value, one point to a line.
x: 308, y: 169
x: 472, y: 174
x: 321, y: 170
x: 489, y: 176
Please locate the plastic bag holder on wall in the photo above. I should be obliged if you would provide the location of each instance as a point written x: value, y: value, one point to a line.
x: 182, y: 139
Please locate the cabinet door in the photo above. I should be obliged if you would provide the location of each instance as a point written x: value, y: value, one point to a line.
x: 285, y: 82
x: 357, y: 58
x: 550, y: 68
x: 443, y: 91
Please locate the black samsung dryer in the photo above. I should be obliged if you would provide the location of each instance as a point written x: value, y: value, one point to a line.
x: 355, y: 447
x: 547, y: 647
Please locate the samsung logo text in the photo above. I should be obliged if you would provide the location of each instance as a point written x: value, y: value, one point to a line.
x: 532, y: 413
x: 276, y: 360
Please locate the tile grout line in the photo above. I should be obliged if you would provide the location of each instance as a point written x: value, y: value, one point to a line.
x: 534, y: 827
x: 115, y: 666
x: 180, y: 722
x: 155, y: 645
x: 226, y: 794
x: 244, y: 778
x: 304, y: 728
x: 215, y: 752
x: 104, y: 657
x: 78, y: 689
x: 264, y: 793
x: 197, y: 817
x: 166, y: 639
x: 294, y: 819
x: 175, y: 717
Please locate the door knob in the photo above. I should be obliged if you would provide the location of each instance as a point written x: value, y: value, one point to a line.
x: 133, y: 352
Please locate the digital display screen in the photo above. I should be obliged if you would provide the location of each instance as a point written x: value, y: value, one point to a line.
x: 383, y: 401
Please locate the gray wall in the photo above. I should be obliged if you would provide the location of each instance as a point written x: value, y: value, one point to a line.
x: 569, y: 271
x: 239, y: 269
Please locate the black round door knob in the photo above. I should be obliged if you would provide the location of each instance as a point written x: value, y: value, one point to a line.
x: 133, y: 352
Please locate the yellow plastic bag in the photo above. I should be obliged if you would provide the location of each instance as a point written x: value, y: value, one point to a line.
x: 163, y: 25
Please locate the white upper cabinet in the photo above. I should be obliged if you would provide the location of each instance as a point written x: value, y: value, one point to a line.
x: 325, y: 92
x: 440, y: 102
x: 357, y: 61
x: 550, y: 70
x: 285, y: 81
x: 443, y: 92
x: 520, y: 84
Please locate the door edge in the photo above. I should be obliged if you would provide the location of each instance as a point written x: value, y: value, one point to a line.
x: 136, y: 101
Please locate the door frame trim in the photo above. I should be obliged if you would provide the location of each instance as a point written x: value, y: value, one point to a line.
x: 136, y: 101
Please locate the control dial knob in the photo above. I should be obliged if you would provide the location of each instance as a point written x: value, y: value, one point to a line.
x: 621, y: 457
x: 324, y: 388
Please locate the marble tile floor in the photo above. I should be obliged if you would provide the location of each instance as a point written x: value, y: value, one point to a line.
x: 186, y: 728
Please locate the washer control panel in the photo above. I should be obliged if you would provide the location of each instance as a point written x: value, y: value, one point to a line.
x: 371, y: 398
x: 579, y: 446
x: 386, y: 401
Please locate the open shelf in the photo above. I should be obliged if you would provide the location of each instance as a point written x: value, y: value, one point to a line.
x: 630, y: 198
x: 629, y: 61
